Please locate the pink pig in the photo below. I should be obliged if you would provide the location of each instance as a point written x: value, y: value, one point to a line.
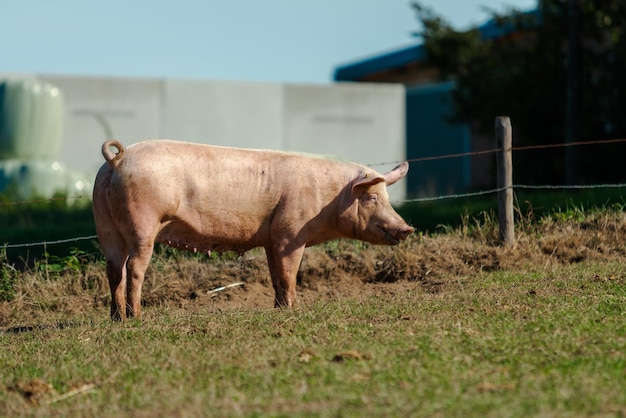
x: 209, y: 198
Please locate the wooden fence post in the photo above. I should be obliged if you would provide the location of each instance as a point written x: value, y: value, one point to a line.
x: 504, y: 162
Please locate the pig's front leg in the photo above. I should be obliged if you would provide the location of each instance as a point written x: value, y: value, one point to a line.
x: 284, y: 262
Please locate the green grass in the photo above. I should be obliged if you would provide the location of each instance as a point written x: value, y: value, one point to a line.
x: 537, y: 343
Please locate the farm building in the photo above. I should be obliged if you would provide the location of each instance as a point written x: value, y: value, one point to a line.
x: 429, y: 130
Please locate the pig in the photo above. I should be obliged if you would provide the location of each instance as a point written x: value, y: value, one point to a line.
x: 212, y: 198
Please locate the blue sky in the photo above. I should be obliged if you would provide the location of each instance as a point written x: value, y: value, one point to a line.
x: 298, y: 41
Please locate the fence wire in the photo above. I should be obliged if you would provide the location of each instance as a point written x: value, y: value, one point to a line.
x: 515, y: 186
x: 51, y: 199
x: 494, y: 150
x: 46, y: 243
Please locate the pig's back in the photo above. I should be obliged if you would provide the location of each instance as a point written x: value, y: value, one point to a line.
x: 220, y: 193
x: 225, y: 195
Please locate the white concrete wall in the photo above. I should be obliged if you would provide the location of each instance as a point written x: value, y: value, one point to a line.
x: 223, y: 113
x: 127, y: 109
x: 357, y: 122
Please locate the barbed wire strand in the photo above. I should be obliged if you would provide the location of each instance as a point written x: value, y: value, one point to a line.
x: 452, y: 196
x: 45, y: 243
x: 573, y: 186
x: 515, y: 186
x: 569, y: 144
x: 494, y: 150
x: 50, y: 199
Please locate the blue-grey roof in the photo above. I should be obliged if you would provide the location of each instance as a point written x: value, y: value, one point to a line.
x: 388, y: 61
x: 412, y: 54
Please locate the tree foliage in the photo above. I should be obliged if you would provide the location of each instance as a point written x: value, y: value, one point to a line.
x: 522, y: 72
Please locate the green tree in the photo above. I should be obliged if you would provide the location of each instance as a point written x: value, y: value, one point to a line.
x: 523, y: 73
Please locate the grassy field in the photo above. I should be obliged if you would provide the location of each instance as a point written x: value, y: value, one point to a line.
x: 445, y: 324
x: 547, y: 342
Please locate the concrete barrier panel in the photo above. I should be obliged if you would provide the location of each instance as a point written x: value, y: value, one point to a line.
x: 100, y: 108
x: 223, y: 113
x: 362, y: 123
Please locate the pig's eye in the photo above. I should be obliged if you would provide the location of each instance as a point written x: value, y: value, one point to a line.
x: 372, y: 198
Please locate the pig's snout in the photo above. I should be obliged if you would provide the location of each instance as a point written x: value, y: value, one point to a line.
x: 393, y: 236
x: 404, y: 232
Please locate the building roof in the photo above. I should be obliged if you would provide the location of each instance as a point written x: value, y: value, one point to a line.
x: 412, y: 54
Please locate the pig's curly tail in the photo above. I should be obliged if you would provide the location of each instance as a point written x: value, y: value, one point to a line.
x: 112, y: 158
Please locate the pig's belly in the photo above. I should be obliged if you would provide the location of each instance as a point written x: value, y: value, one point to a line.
x: 181, y: 235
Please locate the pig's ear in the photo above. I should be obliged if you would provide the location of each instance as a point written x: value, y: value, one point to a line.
x: 367, y: 180
x: 396, y: 174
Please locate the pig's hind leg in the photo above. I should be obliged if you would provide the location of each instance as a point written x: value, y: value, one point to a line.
x: 116, y: 255
x: 139, y: 257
